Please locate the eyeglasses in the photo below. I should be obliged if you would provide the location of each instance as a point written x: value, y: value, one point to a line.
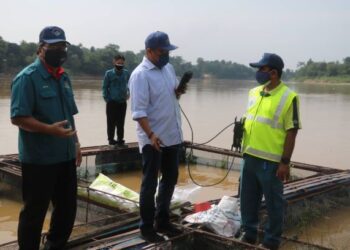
x: 56, y: 47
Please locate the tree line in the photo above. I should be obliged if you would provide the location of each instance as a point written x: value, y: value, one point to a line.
x: 312, y: 70
x: 95, y: 61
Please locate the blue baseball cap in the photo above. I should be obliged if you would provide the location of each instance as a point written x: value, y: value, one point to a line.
x: 52, y: 34
x: 160, y: 40
x: 271, y: 60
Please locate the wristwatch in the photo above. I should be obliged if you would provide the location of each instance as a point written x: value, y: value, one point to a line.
x: 285, y: 160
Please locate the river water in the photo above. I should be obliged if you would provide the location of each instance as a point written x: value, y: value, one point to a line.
x: 210, y: 105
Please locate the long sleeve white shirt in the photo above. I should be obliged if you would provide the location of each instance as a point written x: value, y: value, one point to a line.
x: 152, y: 92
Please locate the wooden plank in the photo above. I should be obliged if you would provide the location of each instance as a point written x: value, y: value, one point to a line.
x: 93, y: 150
x: 11, y: 171
x: 298, y: 165
x: 119, y: 241
x: 318, y: 185
x: 330, y: 177
x: 87, y: 151
x: 312, y: 184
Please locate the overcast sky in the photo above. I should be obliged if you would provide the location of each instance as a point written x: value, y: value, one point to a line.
x: 236, y: 30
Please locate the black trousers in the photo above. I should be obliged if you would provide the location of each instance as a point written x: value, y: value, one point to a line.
x: 40, y: 185
x: 153, y: 162
x: 115, y: 119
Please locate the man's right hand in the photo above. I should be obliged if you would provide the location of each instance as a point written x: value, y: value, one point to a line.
x: 60, y: 129
x: 155, y: 141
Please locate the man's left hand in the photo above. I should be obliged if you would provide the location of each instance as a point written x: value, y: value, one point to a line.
x: 283, y: 172
x: 79, y: 156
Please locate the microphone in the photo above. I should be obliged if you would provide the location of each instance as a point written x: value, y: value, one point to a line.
x: 181, y: 89
x: 264, y: 94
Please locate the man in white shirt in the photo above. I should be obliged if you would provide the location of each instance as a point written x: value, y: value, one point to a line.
x: 154, y: 105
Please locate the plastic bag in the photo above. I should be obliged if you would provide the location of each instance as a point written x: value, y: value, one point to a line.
x: 224, y: 218
x: 109, y: 189
x: 181, y: 195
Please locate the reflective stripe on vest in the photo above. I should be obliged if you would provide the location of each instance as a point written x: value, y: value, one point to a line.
x: 281, y: 105
x: 273, y: 123
x: 263, y: 154
x: 264, y: 133
x: 270, y: 122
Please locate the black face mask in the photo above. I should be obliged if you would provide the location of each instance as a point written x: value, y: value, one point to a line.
x: 55, y: 57
x: 119, y: 67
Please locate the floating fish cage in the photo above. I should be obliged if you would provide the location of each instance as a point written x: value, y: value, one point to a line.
x: 313, y: 188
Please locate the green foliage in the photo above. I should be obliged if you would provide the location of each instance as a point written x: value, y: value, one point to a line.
x: 323, y: 70
x: 95, y: 61
x: 3, y: 49
x: 224, y: 69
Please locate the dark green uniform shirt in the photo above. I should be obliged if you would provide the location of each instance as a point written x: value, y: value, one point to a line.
x: 115, y: 86
x: 35, y: 92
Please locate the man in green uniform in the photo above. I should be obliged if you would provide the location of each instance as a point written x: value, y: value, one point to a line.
x: 115, y: 92
x: 271, y: 125
x: 42, y: 106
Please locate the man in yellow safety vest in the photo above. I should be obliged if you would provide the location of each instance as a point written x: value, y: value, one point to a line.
x: 271, y: 124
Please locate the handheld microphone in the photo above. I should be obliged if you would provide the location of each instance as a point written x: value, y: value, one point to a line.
x: 183, y: 82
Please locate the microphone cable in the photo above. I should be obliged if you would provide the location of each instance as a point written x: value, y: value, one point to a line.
x: 189, y: 157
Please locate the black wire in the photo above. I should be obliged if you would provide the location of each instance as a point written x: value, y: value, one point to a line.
x: 190, y: 156
x: 221, y: 131
x: 207, y: 185
x: 203, y: 143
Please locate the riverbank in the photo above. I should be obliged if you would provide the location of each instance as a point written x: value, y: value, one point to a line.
x: 323, y: 79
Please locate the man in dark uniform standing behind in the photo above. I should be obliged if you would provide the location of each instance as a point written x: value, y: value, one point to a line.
x: 115, y: 92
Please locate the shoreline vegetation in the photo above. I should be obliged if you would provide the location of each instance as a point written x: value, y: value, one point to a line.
x: 319, y: 80
x: 93, y: 62
x: 316, y: 80
x: 329, y: 79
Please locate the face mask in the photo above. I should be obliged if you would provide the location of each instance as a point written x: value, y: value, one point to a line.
x: 163, y: 60
x: 262, y: 77
x: 55, y: 57
x: 119, y: 67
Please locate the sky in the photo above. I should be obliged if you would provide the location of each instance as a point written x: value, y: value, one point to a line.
x: 235, y: 30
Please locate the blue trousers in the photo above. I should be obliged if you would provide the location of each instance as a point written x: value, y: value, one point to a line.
x: 167, y: 163
x: 258, y: 178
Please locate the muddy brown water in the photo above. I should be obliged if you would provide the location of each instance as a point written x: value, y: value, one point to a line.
x: 210, y: 105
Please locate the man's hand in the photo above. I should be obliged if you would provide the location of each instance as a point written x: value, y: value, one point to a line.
x: 182, y: 87
x: 178, y: 93
x: 78, y: 155
x: 155, y: 141
x: 283, y: 172
x: 58, y: 129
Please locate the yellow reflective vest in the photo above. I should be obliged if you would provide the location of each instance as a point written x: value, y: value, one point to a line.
x: 264, y: 130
